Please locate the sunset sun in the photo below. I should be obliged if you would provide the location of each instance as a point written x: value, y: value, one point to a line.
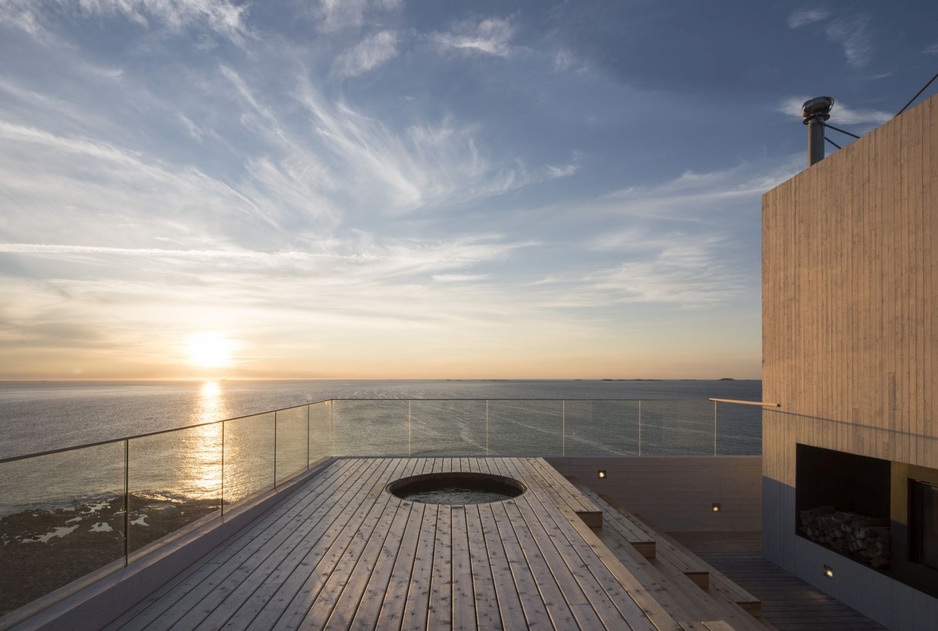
x: 209, y: 350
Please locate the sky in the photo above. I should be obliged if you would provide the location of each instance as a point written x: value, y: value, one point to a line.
x: 413, y: 189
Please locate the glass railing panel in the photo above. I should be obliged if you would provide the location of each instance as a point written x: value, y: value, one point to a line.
x: 601, y: 428
x: 61, y: 517
x: 370, y: 427
x: 739, y: 430
x: 320, y: 431
x: 677, y: 427
x: 447, y: 428
x: 525, y: 428
x: 174, y: 479
x: 249, y: 456
x: 292, y: 441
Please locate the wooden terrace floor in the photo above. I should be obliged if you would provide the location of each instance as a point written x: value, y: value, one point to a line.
x: 343, y: 553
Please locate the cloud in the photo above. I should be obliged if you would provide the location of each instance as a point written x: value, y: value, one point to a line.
x: 853, y: 36
x: 694, y: 196
x: 807, y: 15
x: 565, y: 170
x: 370, y: 53
x: 491, y: 36
x: 563, y: 60
x: 219, y: 16
x: 931, y: 50
x: 427, y: 165
x: 840, y: 113
x: 335, y: 15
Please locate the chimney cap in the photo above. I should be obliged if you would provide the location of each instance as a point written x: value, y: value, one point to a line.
x: 818, y: 107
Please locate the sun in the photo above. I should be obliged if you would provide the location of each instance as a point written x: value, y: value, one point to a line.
x: 209, y: 350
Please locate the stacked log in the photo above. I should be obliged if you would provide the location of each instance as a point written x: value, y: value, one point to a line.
x: 864, y: 539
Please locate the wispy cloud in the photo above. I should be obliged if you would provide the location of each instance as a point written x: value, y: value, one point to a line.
x: 491, y: 36
x: 840, y: 113
x: 565, y: 170
x: 931, y: 50
x: 850, y: 33
x: 853, y: 36
x: 695, y: 196
x: 219, y: 16
x: 336, y: 15
x: 368, y: 54
x: 395, y: 172
x: 807, y: 15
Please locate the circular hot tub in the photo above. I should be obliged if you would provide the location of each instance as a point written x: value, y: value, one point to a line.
x: 457, y: 487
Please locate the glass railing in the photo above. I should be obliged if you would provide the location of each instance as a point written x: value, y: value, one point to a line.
x: 68, y: 513
x: 543, y: 427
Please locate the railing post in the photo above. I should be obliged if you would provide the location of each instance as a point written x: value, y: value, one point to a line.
x: 307, y: 436
x: 223, y: 423
x: 714, y: 428
x: 563, y: 427
x: 486, y: 427
x: 275, y: 449
x: 410, y: 449
x: 126, y: 502
x: 639, y: 427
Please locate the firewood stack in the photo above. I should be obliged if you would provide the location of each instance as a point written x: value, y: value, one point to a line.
x: 864, y: 539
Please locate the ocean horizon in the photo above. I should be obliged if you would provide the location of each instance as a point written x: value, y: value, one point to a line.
x: 38, y: 416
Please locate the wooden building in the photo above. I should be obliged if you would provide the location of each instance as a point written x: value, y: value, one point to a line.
x: 850, y: 351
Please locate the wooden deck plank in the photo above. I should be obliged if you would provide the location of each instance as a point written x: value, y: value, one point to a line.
x: 417, y: 602
x: 294, y: 597
x: 213, y: 579
x: 564, y: 491
x: 509, y: 600
x: 483, y: 583
x: 557, y: 584
x: 440, y: 611
x: 535, y: 609
x: 394, y: 546
x: 627, y: 596
x: 347, y: 554
x: 315, y: 612
x: 346, y: 588
x: 552, y: 526
x: 328, y: 518
x: 244, y: 600
x: 463, y: 598
x: 391, y: 612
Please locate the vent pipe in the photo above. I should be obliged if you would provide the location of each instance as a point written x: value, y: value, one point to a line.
x: 816, y: 111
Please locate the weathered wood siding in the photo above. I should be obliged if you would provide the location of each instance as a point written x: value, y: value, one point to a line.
x: 849, y: 286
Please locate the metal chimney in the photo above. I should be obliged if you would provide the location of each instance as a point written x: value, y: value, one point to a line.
x: 816, y: 111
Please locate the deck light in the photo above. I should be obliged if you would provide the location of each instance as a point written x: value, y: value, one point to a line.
x: 602, y: 474
x: 716, y: 507
x: 828, y: 571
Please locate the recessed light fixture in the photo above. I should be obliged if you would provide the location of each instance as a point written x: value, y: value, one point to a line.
x: 716, y: 507
x: 602, y: 474
x: 828, y: 571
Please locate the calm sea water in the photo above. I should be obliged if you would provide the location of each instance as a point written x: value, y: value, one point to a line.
x: 365, y: 418
x: 41, y: 416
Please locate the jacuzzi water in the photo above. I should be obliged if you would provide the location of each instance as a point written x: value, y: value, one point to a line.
x: 457, y: 495
x: 456, y: 488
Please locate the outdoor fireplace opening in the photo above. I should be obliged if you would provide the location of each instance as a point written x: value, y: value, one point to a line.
x: 842, y: 502
x: 456, y: 488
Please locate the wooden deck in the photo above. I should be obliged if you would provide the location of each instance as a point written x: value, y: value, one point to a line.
x: 343, y: 553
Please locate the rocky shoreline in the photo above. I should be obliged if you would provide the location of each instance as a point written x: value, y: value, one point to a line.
x: 43, y: 549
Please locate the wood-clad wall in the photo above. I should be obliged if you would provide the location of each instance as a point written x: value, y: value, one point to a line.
x: 850, y: 311
x: 850, y: 294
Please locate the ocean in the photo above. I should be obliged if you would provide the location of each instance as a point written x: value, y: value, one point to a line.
x: 44, y: 416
